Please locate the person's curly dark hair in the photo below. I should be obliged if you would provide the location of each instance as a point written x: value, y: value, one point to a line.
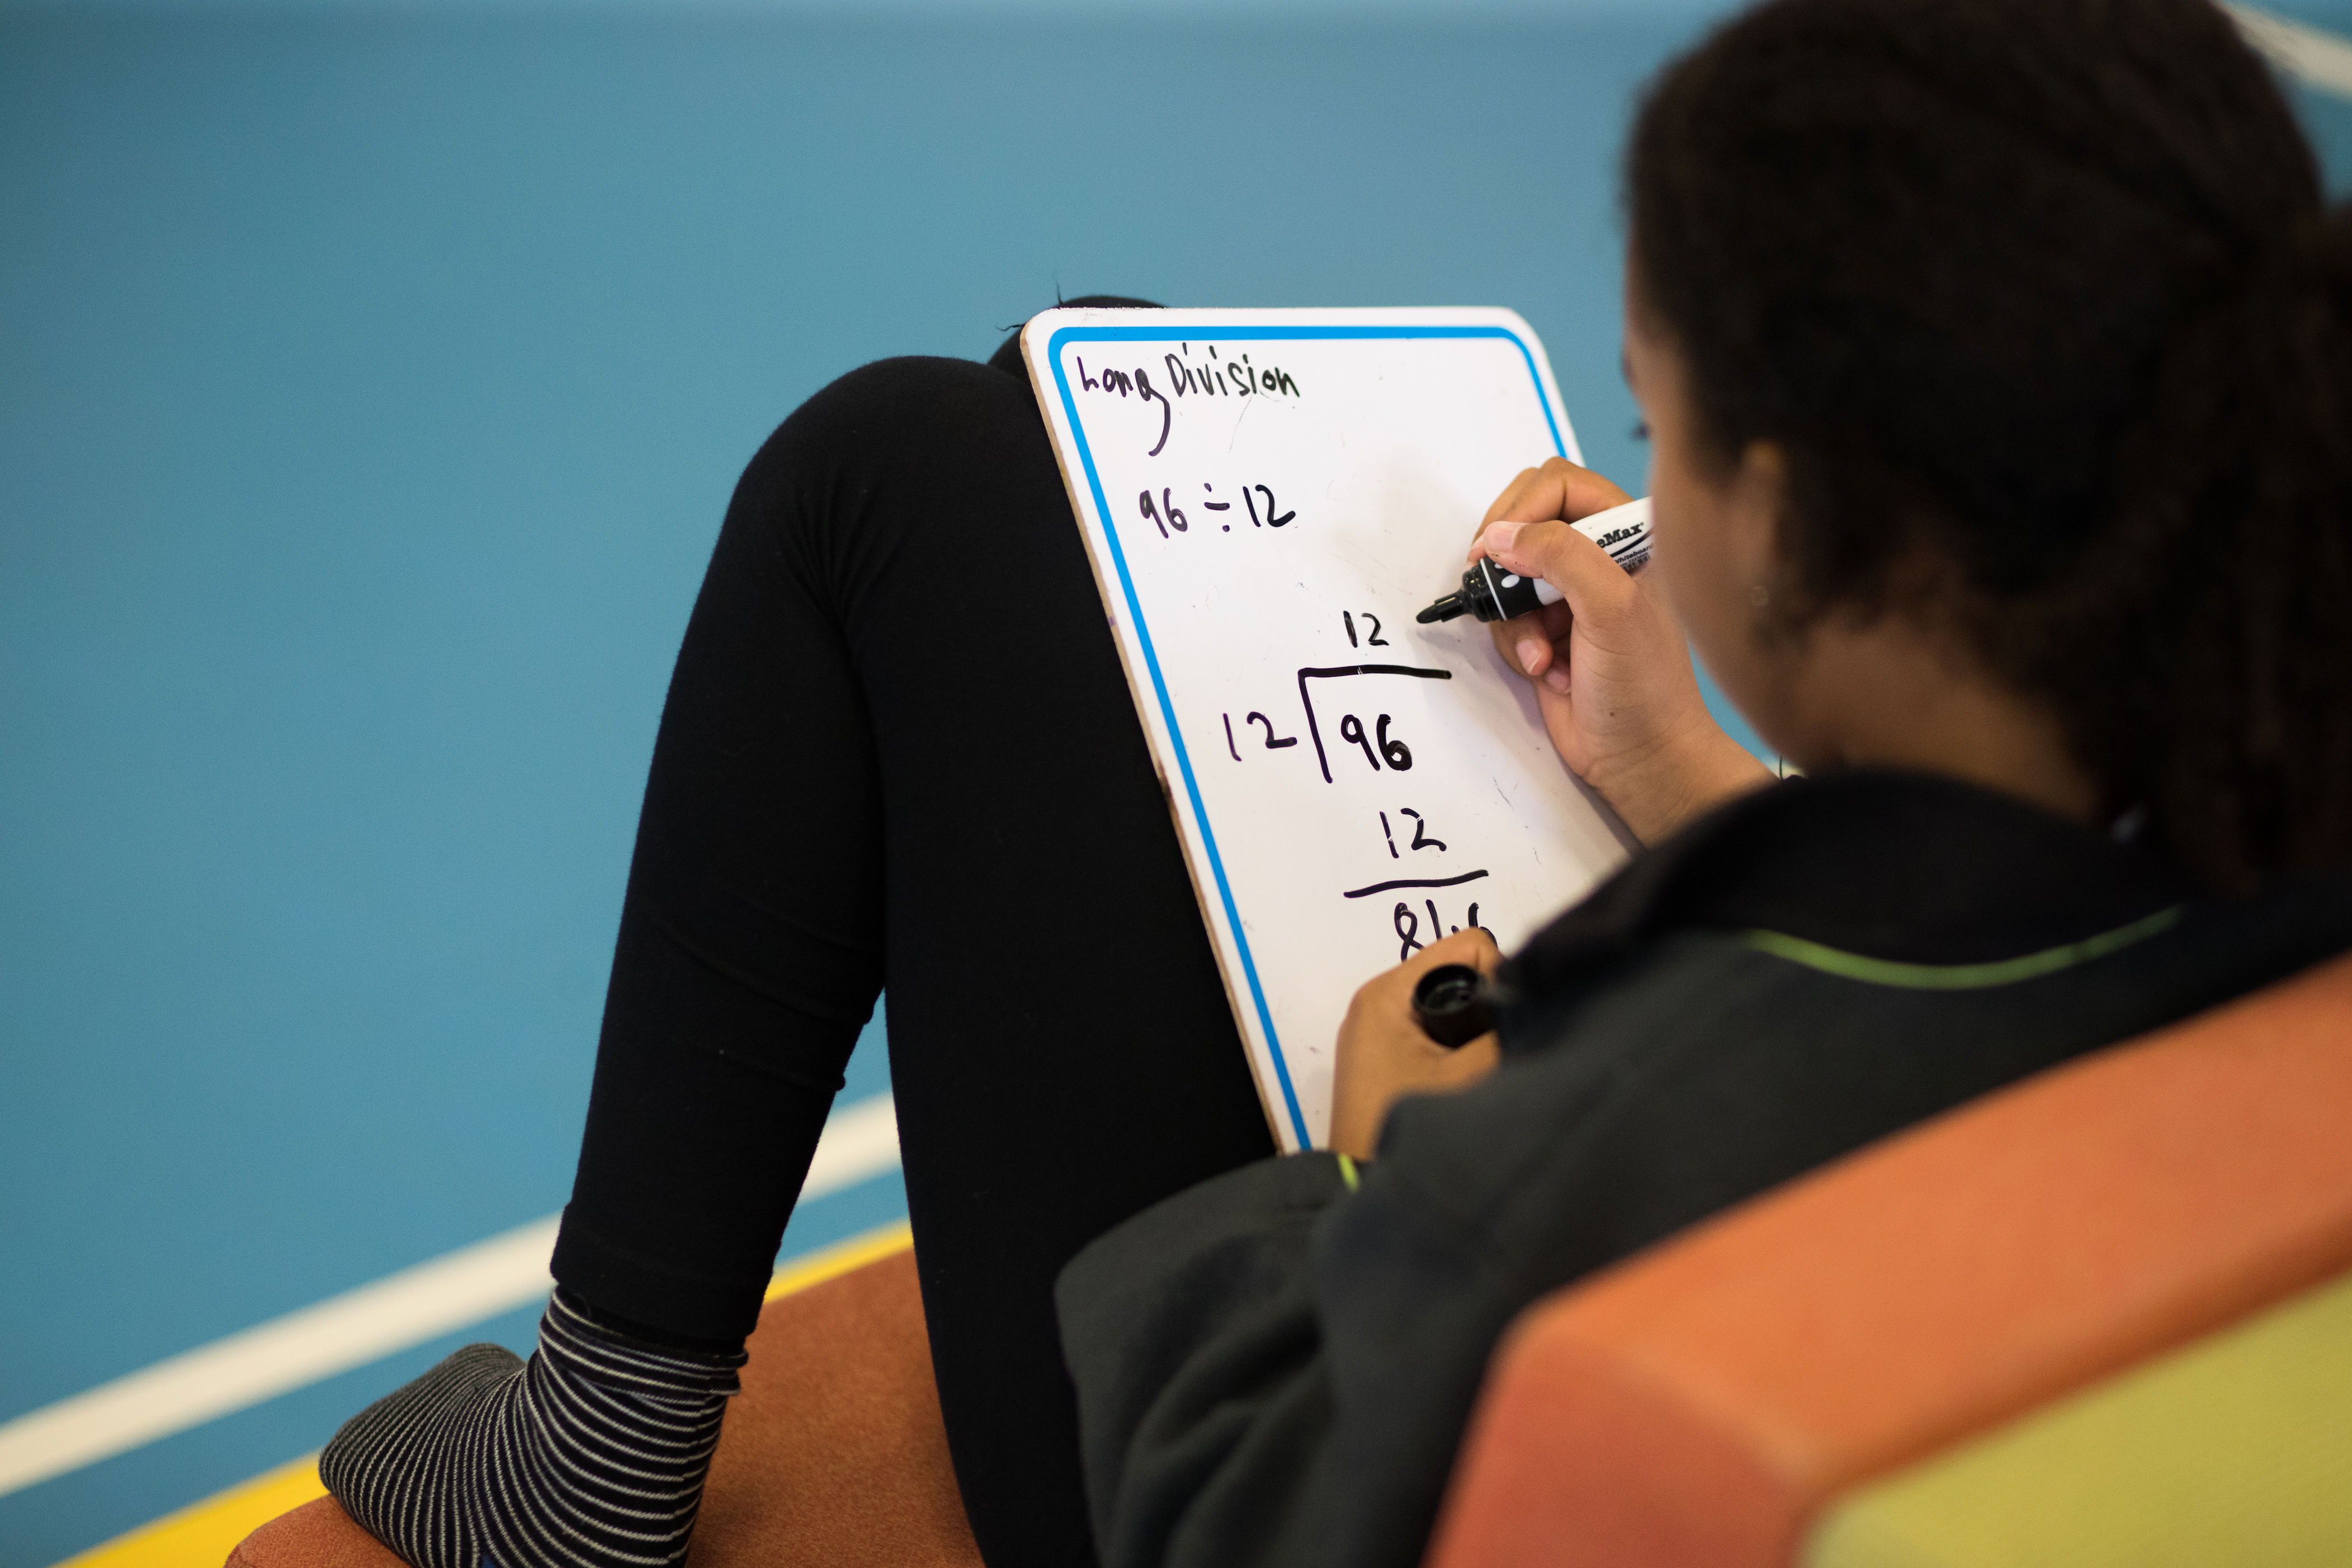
x: 2043, y: 303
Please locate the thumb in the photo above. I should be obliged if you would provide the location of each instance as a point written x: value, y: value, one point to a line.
x: 1591, y: 582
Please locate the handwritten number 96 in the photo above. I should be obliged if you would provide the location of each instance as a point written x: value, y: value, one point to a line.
x: 1398, y: 754
x: 1174, y: 517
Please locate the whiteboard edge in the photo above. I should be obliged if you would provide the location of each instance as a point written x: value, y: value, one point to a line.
x: 1035, y: 336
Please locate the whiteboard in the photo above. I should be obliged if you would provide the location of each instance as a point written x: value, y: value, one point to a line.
x: 1267, y: 497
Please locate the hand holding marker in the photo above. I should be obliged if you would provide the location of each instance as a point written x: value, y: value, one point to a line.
x: 1495, y: 596
x: 1450, y: 1003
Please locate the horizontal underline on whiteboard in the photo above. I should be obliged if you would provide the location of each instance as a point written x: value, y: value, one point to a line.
x: 1377, y: 669
x: 433, y: 1298
x: 1415, y: 882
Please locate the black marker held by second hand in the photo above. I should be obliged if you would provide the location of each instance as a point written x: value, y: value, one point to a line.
x: 1450, y: 1004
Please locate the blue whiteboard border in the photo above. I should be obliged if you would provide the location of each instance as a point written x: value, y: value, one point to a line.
x: 1195, y: 332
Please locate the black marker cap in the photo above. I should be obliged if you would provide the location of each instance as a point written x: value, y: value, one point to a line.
x: 1450, y: 1004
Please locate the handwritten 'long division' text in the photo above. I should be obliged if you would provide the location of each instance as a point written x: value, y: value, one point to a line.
x: 1211, y: 375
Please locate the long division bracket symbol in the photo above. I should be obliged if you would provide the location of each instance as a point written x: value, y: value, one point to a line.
x: 1307, y: 697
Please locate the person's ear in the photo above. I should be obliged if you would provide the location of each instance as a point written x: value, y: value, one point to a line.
x: 1754, y: 517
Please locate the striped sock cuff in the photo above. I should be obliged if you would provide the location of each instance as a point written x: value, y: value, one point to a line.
x: 591, y: 1455
x: 567, y: 1334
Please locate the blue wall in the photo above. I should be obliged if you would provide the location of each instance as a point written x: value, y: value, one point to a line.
x: 372, y: 383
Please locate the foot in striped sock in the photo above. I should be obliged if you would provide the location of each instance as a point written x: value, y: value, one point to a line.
x: 590, y: 1455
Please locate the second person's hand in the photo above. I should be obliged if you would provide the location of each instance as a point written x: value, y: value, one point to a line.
x: 1383, y: 1055
x: 1611, y: 671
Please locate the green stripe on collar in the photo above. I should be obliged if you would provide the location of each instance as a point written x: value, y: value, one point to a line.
x: 1348, y: 1172
x: 1959, y: 976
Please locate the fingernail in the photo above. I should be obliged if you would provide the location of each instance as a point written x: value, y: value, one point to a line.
x: 1499, y: 537
x: 1529, y: 652
x: 1555, y: 678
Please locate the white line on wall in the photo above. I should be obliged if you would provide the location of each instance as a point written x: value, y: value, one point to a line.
x: 433, y: 1298
x: 860, y: 1141
x: 2320, y: 60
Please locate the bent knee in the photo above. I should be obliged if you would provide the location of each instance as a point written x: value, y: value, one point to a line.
x: 889, y: 446
x: 912, y: 392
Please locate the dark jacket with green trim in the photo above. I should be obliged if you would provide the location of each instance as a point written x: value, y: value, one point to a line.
x: 1272, y: 1369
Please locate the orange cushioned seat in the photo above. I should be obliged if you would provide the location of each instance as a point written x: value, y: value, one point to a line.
x: 833, y: 1455
x: 1702, y: 1403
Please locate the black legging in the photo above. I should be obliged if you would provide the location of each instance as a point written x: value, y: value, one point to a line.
x: 899, y: 752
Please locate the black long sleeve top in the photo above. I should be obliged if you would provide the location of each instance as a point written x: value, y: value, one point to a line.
x: 1273, y: 1368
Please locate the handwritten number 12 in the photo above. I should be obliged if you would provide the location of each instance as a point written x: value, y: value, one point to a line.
x: 1271, y: 520
x: 1273, y: 742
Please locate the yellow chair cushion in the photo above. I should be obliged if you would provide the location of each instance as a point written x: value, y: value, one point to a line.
x: 2237, y: 1450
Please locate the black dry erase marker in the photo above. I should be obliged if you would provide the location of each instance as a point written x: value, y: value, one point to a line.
x: 1492, y: 594
x: 1450, y: 1004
